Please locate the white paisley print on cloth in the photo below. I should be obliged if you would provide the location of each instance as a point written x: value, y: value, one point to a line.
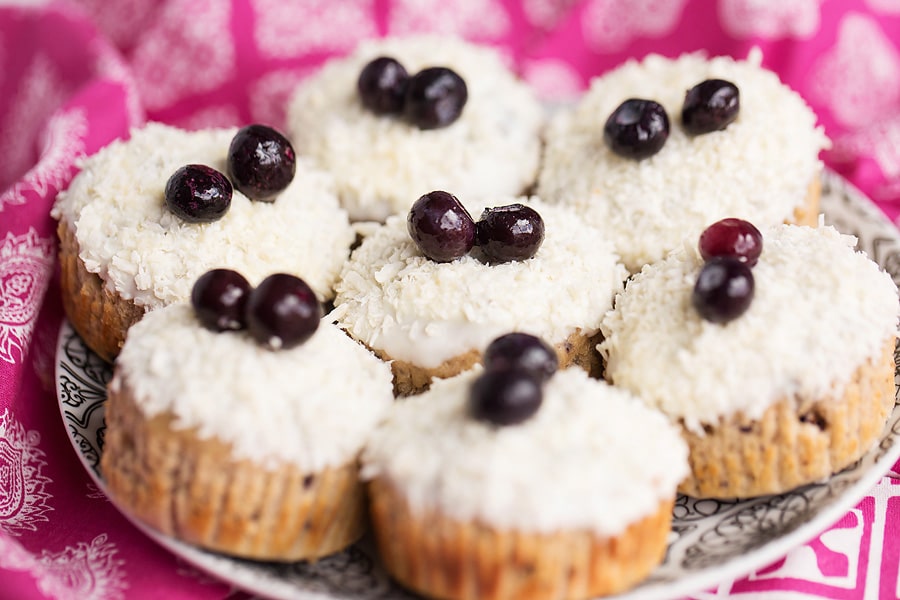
x: 180, y: 56
x: 23, y: 499
x: 472, y: 19
x: 881, y: 140
x: 553, y: 80
x: 546, y: 13
x: 26, y: 264
x: 860, y: 76
x: 610, y: 25
x: 39, y: 92
x: 63, y: 144
x: 269, y: 95
x: 888, y: 7
x: 85, y: 571
x: 287, y: 28
x: 770, y: 19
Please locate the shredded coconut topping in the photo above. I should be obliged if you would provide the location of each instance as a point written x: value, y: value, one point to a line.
x: 820, y: 310
x: 382, y: 164
x: 394, y: 299
x: 143, y: 252
x: 592, y: 457
x: 312, y: 405
x: 759, y: 168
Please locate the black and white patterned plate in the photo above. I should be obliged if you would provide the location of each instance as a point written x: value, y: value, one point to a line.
x: 712, y: 540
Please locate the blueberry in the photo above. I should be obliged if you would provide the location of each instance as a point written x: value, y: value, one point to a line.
x: 282, y: 311
x: 710, y: 106
x: 732, y: 237
x: 261, y: 162
x: 219, y: 298
x: 507, y: 233
x: 521, y: 351
x: 435, y: 98
x: 637, y: 129
x: 441, y: 226
x: 504, y: 397
x: 198, y: 194
x: 723, y: 290
x: 382, y: 86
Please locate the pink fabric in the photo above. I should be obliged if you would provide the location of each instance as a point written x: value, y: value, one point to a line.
x: 75, y: 75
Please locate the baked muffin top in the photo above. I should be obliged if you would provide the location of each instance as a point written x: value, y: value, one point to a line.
x: 312, y: 405
x: 758, y: 168
x: 592, y: 457
x: 382, y: 163
x: 819, y: 311
x: 143, y: 252
x: 394, y: 299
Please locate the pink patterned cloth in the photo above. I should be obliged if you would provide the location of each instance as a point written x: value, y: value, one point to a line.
x: 75, y: 75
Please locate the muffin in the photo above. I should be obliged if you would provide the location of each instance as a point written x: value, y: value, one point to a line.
x: 762, y: 165
x: 431, y: 319
x: 787, y: 392
x: 221, y: 442
x: 382, y: 161
x: 573, y: 502
x: 123, y: 252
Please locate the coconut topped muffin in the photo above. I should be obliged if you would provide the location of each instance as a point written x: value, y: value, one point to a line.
x: 116, y: 209
x: 478, y: 137
x: 780, y: 373
x: 427, y: 315
x: 230, y: 387
x: 553, y: 471
x: 742, y: 146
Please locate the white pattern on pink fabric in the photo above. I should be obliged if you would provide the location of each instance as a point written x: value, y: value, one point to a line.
x: 111, y: 66
x: 184, y: 55
x: 121, y: 21
x: 217, y: 115
x: 481, y: 19
x: 546, y: 13
x: 770, y: 19
x: 555, y: 81
x: 881, y: 140
x: 888, y: 7
x: 289, y: 28
x: 26, y: 265
x: 63, y: 144
x: 86, y: 571
x: 268, y: 95
x: 38, y: 94
x: 610, y: 25
x: 23, y: 499
x: 862, y: 60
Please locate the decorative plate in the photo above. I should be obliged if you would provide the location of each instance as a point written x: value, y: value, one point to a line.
x: 712, y: 540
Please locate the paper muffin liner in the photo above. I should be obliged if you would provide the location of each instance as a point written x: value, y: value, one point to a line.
x: 441, y: 557
x: 193, y: 489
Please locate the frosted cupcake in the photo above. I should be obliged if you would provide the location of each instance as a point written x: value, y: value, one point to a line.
x: 127, y: 249
x: 565, y: 492
x: 658, y: 149
x: 431, y: 311
x: 430, y: 113
x: 244, y: 442
x: 779, y: 374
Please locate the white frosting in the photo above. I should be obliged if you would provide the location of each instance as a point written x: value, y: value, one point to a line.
x: 592, y: 457
x: 819, y: 311
x: 312, y: 405
x: 394, y: 299
x: 143, y: 252
x: 758, y: 168
x: 382, y: 164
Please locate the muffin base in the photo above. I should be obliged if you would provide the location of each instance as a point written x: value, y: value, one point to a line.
x: 796, y: 441
x: 100, y: 317
x: 441, y: 557
x: 409, y: 379
x: 194, y: 490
